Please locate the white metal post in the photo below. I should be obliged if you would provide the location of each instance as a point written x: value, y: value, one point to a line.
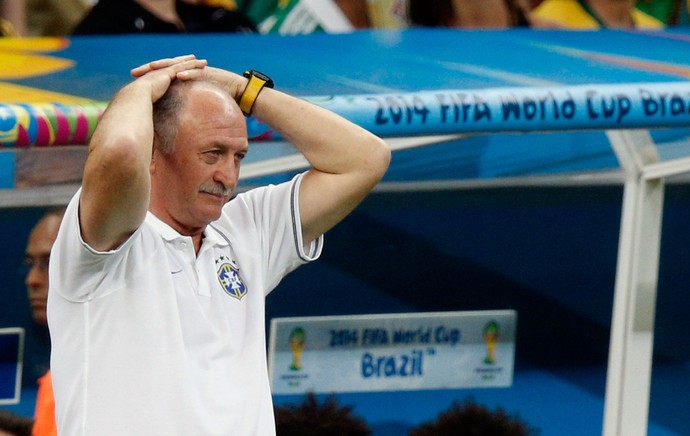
x: 632, y: 327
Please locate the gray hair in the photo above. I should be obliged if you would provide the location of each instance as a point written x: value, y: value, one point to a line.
x: 167, y: 109
x: 165, y: 112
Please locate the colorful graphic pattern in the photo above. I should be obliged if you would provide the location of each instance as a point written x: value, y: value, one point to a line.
x: 47, y: 124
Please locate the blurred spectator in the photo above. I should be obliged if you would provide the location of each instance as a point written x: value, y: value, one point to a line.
x: 333, y: 16
x: 12, y: 424
x: 36, y: 260
x: 379, y: 14
x: 257, y: 10
x: 109, y: 17
x: 666, y: 11
x: 294, y: 17
x: 12, y: 18
x: 309, y: 418
x: 494, y: 14
x: 684, y: 16
x: 594, y: 14
x: 356, y: 12
x: 54, y: 17
x: 470, y: 418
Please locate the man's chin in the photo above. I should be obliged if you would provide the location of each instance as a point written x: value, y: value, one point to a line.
x: 212, y: 214
x: 217, y: 200
x: 40, y: 318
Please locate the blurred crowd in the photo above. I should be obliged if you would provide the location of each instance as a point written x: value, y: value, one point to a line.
x: 85, y: 17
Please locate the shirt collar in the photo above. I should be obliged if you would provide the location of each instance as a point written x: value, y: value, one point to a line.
x: 211, y: 235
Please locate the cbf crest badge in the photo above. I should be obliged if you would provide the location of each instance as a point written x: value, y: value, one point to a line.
x: 229, y: 277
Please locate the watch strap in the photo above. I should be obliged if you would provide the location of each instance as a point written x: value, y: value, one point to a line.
x: 257, y: 82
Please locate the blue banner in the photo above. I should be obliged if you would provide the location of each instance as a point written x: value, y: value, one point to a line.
x: 584, y: 107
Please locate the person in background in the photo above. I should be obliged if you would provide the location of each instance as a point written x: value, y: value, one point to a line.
x: 158, y: 277
x: 54, y: 17
x: 471, y: 418
x: 375, y: 14
x: 468, y: 14
x: 37, y: 259
x: 290, y: 17
x: 666, y: 11
x: 13, y: 424
x: 594, y: 14
x: 12, y: 18
x: 311, y: 418
x: 296, y: 17
x: 684, y: 15
x: 109, y: 17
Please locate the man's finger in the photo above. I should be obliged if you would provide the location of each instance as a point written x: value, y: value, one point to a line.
x: 173, y: 69
x: 190, y: 74
x: 160, y: 63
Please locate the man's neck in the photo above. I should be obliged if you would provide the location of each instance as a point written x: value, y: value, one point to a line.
x: 196, y: 233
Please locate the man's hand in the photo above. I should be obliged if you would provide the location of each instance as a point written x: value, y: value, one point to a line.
x: 233, y: 83
x: 162, y: 72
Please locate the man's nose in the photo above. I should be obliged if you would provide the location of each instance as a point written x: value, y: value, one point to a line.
x: 35, y: 275
x: 228, y: 175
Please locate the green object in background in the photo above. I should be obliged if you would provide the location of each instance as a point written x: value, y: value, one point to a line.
x: 257, y: 10
x: 662, y: 10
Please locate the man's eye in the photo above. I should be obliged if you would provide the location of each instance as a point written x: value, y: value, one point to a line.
x: 213, y: 154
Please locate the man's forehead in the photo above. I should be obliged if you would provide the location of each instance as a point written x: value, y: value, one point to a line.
x: 43, y: 234
x: 206, y: 90
x: 209, y: 112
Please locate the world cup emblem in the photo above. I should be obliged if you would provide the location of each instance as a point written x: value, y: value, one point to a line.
x: 492, y: 334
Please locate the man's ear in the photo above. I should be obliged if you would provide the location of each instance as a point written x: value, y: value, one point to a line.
x: 154, y: 152
x: 152, y: 165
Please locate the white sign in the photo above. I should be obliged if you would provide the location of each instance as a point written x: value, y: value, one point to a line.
x: 11, y: 361
x: 409, y: 351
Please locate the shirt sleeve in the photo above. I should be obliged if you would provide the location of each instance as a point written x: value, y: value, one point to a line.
x: 77, y: 270
x: 272, y: 214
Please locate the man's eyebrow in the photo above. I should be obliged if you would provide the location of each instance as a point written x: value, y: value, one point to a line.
x: 226, y: 147
x: 219, y: 146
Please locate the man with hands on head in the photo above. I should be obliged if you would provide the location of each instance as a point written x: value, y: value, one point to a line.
x: 158, y: 279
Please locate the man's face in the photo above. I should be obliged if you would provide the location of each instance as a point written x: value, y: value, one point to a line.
x: 36, y: 257
x: 191, y: 185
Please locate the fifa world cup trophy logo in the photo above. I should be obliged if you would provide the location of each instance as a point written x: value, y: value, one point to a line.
x: 492, y: 333
x: 297, y: 346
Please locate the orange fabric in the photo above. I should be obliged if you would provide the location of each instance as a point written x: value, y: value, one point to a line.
x: 44, y: 416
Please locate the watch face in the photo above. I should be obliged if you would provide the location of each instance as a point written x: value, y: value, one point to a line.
x: 258, y: 74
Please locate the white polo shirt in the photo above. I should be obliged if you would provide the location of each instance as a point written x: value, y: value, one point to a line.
x: 150, y: 339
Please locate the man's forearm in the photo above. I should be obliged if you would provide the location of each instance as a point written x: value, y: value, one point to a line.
x: 330, y: 143
x: 116, y: 181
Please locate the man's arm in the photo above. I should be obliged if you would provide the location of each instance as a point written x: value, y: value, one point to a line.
x: 347, y: 161
x: 116, y: 183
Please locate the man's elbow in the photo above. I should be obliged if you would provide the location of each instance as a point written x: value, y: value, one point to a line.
x: 379, y: 158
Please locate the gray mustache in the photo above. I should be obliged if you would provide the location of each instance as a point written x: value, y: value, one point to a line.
x: 217, y: 190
